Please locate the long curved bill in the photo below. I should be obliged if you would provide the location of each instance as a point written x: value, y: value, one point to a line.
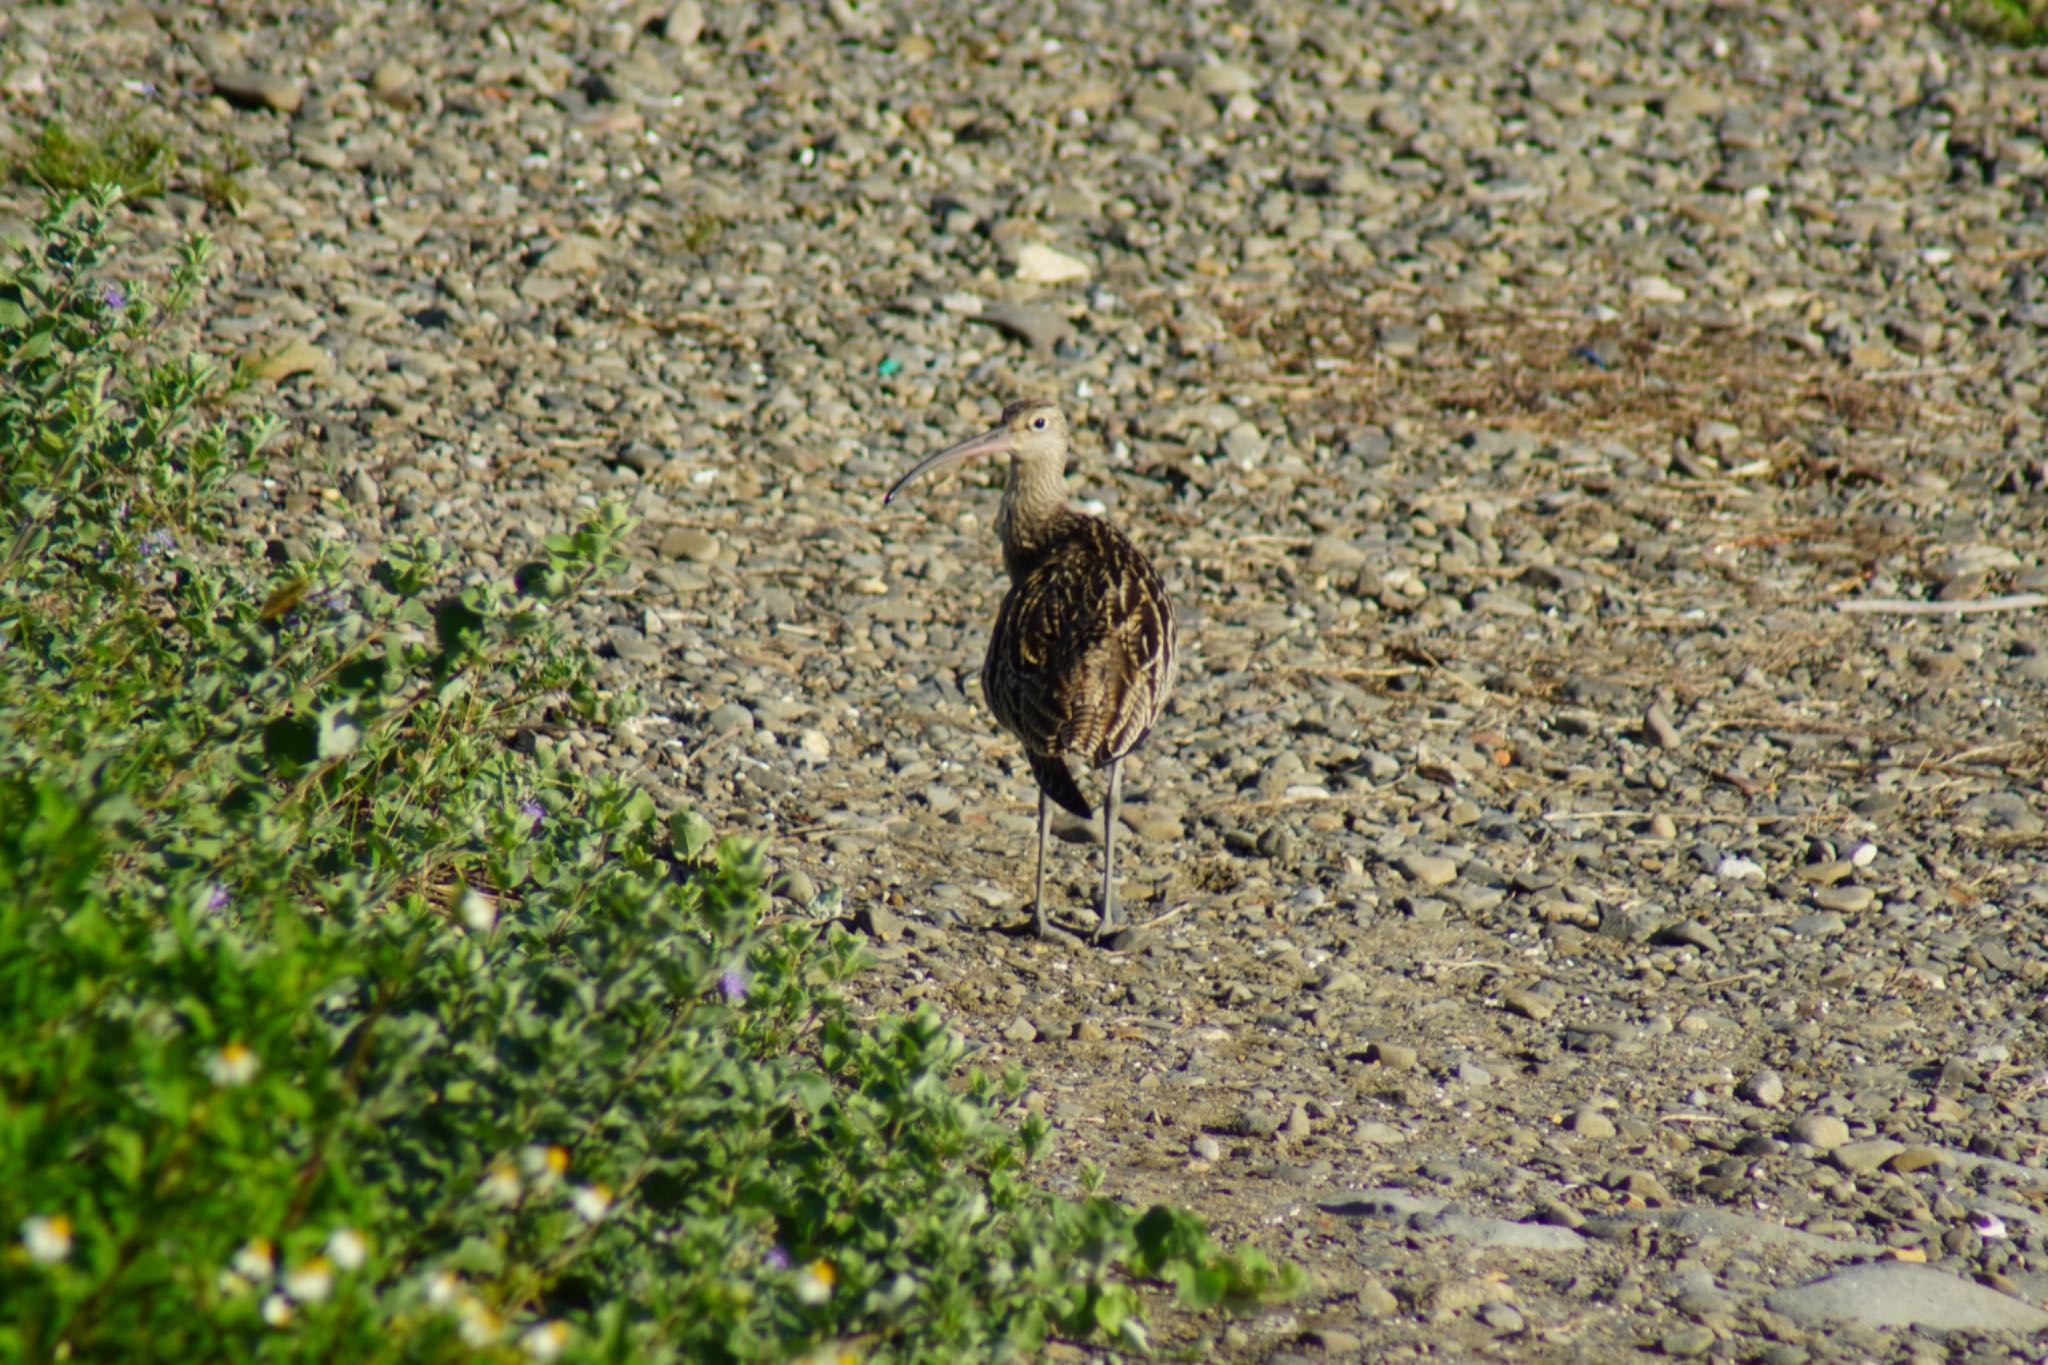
x: 992, y: 442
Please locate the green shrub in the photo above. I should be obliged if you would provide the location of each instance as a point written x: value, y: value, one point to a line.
x: 346, y: 1019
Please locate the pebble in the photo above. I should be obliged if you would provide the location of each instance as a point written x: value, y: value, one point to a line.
x: 689, y: 542
x: 1589, y: 1122
x: 1764, y: 1087
x: 1848, y: 900
x: 1889, y: 1294
x: 1427, y: 869
x: 1659, y: 729
x: 1825, y: 1132
x: 1861, y: 1158
x: 1037, y: 263
x: 259, y: 90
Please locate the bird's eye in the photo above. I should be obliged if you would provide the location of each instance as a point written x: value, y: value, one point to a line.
x: 1038, y: 424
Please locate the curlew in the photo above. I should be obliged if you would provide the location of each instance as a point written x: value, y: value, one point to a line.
x: 1081, y: 658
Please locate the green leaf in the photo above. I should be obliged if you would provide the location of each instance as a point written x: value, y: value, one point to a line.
x: 689, y: 834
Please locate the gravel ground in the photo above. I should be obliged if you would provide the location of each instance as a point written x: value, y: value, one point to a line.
x: 1592, y: 872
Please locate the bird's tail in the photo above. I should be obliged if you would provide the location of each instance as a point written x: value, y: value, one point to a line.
x: 1055, y: 781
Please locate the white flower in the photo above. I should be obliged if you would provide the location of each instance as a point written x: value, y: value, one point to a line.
x: 442, y: 1289
x: 234, y: 1064
x: 256, y: 1260
x: 478, y: 911
x: 310, y: 1282
x: 814, y: 1282
x: 480, y: 1326
x: 347, y: 1249
x: 47, y: 1237
x: 546, y: 1341
x: 500, y: 1184
x: 592, y: 1201
x: 544, y: 1163
x: 277, y: 1310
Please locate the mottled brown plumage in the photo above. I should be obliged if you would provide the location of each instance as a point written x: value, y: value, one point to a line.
x: 1082, y: 655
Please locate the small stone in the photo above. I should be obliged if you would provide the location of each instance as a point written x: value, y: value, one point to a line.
x: 1225, y: 79
x: 1342, y: 981
x: 393, y: 81
x: 1687, y: 1341
x: 1375, y: 1301
x: 1588, y: 1122
x: 1032, y: 326
x: 1206, y: 1147
x: 1088, y: 1031
x: 292, y: 358
x: 1528, y: 1004
x: 1692, y: 101
x: 1655, y: 289
x: 797, y: 887
x: 688, y: 542
x: 1918, y: 1159
x: 1659, y: 729
x: 1765, y: 1087
x: 1861, y: 1158
x: 1021, y: 1031
x: 259, y: 90
x: 1038, y: 263
x: 1503, y: 1319
x: 729, y: 717
x: 1427, y: 869
x: 575, y: 254
x: 1823, y: 1131
x: 1393, y: 1056
x: 1846, y: 899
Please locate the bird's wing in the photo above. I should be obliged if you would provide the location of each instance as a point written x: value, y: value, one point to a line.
x: 1082, y: 654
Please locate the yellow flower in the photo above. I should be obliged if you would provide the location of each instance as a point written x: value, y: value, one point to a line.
x: 47, y: 1237
x: 814, y: 1283
x: 233, y: 1065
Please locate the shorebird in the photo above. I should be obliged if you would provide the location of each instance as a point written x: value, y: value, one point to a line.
x: 1081, y: 658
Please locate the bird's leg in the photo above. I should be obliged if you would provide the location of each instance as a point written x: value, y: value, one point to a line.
x: 1038, y: 900
x: 1108, y: 920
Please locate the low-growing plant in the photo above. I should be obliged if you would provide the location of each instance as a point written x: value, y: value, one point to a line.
x: 347, y: 1016
x: 67, y: 158
x: 2019, y: 23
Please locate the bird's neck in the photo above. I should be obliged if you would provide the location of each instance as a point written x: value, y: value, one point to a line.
x: 1033, y: 512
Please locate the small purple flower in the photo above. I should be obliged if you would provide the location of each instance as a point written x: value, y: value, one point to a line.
x: 335, y: 602
x: 732, y: 986
x: 113, y: 298
x: 1989, y: 1226
x: 217, y: 898
x: 158, y: 542
x: 534, y: 811
x: 777, y: 1259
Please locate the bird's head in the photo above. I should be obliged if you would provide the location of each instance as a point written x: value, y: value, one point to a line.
x: 1032, y: 432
